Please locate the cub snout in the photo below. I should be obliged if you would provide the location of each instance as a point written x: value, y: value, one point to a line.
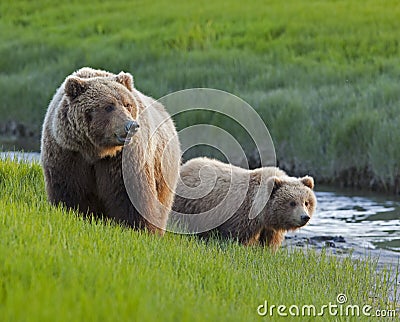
x: 304, y: 219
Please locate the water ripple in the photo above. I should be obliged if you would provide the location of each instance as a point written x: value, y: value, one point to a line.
x: 370, y: 221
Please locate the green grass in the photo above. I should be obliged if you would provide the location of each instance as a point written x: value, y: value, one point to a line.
x: 323, y: 75
x: 54, y: 265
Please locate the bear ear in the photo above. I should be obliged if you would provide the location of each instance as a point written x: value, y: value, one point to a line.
x: 125, y: 79
x: 75, y: 86
x: 277, y: 182
x: 308, y: 181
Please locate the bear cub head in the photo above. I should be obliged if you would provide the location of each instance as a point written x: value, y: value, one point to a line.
x: 293, y: 202
x: 102, y: 112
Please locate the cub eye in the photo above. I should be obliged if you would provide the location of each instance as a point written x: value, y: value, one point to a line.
x: 109, y: 108
x: 306, y: 203
x: 293, y: 203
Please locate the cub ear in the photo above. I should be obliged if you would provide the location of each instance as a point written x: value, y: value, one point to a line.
x: 308, y: 181
x: 125, y: 79
x: 75, y: 86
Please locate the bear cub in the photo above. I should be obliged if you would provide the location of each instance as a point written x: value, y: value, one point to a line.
x: 252, y: 206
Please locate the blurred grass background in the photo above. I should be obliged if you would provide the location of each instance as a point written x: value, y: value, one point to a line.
x: 324, y: 75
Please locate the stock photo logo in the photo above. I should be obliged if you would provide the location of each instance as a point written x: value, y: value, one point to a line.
x: 208, y: 192
x: 341, y: 307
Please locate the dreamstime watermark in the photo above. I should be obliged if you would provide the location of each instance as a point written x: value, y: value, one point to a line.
x: 339, y: 308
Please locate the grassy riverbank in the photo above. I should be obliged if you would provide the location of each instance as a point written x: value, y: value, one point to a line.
x: 323, y: 75
x: 57, y: 266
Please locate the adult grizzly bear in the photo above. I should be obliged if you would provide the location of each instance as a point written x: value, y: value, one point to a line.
x: 253, y: 206
x: 96, y: 122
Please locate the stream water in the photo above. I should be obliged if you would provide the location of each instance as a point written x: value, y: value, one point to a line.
x: 347, y: 218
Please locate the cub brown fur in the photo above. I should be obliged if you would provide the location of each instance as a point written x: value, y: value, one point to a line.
x: 253, y: 206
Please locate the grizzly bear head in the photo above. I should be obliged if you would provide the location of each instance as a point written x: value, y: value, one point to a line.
x: 101, y: 113
x: 292, y: 202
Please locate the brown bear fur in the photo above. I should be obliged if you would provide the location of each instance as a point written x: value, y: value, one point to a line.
x: 253, y: 206
x: 84, y: 136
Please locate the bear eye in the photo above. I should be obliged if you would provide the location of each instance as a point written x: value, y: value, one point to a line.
x: 293, y: 203
x: 109, y: 108
x: 306, y: 203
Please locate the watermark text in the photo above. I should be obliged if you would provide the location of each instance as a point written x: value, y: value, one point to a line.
x: 338, y: 308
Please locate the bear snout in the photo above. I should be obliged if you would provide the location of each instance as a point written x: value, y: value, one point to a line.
x: 131, y: 126
x: 304, y: 219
